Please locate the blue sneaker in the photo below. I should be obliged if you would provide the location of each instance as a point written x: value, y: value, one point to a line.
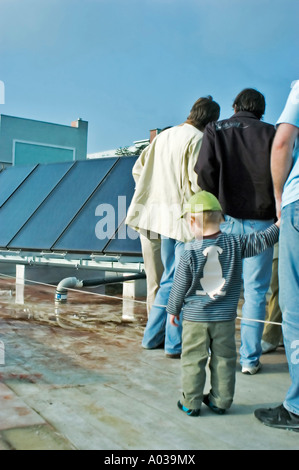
x: 218, y: 411
x: 189, y: 411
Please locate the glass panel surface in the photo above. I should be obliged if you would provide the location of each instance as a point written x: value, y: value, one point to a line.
x: 126, y: 241
x: 62, y: 205
x: 28, y: 197
x: 100, y: 218
x: 10, y: 180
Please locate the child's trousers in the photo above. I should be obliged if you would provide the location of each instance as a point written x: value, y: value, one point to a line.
x: 200, y: 339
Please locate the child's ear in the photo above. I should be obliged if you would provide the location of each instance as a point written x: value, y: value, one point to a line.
x: 192, y: 221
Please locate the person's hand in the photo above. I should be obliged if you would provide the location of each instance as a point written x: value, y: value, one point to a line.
x: 278, y: 223
x: 174, y: 321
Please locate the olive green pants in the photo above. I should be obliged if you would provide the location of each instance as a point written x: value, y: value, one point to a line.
x: 199, y: 340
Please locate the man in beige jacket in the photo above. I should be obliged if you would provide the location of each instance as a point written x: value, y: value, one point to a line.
x: 165, y: 180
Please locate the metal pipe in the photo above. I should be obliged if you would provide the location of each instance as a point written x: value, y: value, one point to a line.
x: 61, y: 290
x: 73, y: 282
x: 113, y: 280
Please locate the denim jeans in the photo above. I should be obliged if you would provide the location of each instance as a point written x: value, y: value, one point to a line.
x: 257, y: 272
x: 289, y: 297
x: 158, y: 328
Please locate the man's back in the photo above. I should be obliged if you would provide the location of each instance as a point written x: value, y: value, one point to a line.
x: 234, y: 164
x: 165, y: 180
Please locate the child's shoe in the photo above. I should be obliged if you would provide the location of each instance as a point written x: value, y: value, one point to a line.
x: 189, y: 411
x: 206, y: 401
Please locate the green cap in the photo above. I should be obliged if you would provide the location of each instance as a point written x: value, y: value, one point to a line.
x: 201, y: 202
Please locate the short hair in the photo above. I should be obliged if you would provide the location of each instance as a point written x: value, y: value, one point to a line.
x: 204, y: 111
x: 207, y: 217
x: 212, y: 217
x: 250, y: 100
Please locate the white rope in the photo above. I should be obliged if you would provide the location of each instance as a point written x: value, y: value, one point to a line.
x: 124, y: 299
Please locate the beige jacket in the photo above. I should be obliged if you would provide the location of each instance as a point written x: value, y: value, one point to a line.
x: 165, y: 180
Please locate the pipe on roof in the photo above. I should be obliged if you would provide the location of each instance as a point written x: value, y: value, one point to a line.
x: 74, y: 283
x: 64, y: 285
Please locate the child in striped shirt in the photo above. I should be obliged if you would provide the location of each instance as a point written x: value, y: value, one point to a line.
x: 206, y: 289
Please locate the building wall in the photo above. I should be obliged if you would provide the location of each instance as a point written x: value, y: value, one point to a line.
x: 26, y: 141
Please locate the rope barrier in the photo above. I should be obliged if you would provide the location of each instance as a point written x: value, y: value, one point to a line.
x: 125, y: 299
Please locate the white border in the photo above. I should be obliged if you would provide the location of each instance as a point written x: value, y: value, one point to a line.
x: 41, y: 144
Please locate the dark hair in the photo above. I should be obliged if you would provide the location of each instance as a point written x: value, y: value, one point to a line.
x: 250, y: 100
x: 203, y: 111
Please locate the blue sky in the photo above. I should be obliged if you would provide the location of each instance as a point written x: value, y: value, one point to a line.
x: 128, y: 66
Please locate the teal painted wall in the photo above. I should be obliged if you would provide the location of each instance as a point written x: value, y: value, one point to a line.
x: 25, y: 141
x: 33, y: 154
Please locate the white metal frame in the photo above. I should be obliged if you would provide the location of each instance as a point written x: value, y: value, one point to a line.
x: 117, y: 263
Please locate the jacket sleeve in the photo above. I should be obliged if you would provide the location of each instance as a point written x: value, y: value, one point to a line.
x: 181, y: 284
x: 207, y: 166
x: 194, y: 149
x: 255, y: 243
x: 139, y: 164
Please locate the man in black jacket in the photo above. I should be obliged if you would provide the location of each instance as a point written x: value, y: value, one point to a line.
x: 234, y: 165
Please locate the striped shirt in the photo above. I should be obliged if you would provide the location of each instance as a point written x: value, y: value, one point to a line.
x: 207, y: 282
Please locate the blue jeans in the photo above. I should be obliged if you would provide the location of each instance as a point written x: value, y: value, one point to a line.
x: 158, y: 328
x: 289, y: 296
x: 257, y: 273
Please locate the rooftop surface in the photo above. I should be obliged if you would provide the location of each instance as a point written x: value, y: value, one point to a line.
x: 75, y: 377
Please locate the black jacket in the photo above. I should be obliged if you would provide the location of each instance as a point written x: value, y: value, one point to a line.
x: 234, y: 165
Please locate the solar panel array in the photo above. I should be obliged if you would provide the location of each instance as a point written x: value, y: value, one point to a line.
x: 74, y: 207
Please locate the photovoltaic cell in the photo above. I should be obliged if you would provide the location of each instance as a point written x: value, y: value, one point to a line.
x: 62, y: 205
x: 28, y: 197
x: 105, y: 211
x: 71, y: 206
x: 126, y: 241
x: 11, y: 178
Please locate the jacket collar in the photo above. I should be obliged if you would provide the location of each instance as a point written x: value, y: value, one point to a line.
x: 244, y: 114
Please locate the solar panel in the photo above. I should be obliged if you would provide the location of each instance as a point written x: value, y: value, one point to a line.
x: 60, y: 207
x: 126, y: 241
x: 11, y: 178
x: 28, y: 197
x: 98, y: 221
x: 71, y: 206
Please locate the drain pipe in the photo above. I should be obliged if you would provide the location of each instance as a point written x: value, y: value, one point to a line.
x: 74, y: 283
x: 61, y: 290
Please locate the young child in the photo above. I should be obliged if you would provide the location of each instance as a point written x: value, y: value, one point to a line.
x: 207, y: 287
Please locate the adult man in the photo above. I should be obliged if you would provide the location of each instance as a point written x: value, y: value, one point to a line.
x: 285, y: 172
x: 234, y: 165
x: 165, y: 180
